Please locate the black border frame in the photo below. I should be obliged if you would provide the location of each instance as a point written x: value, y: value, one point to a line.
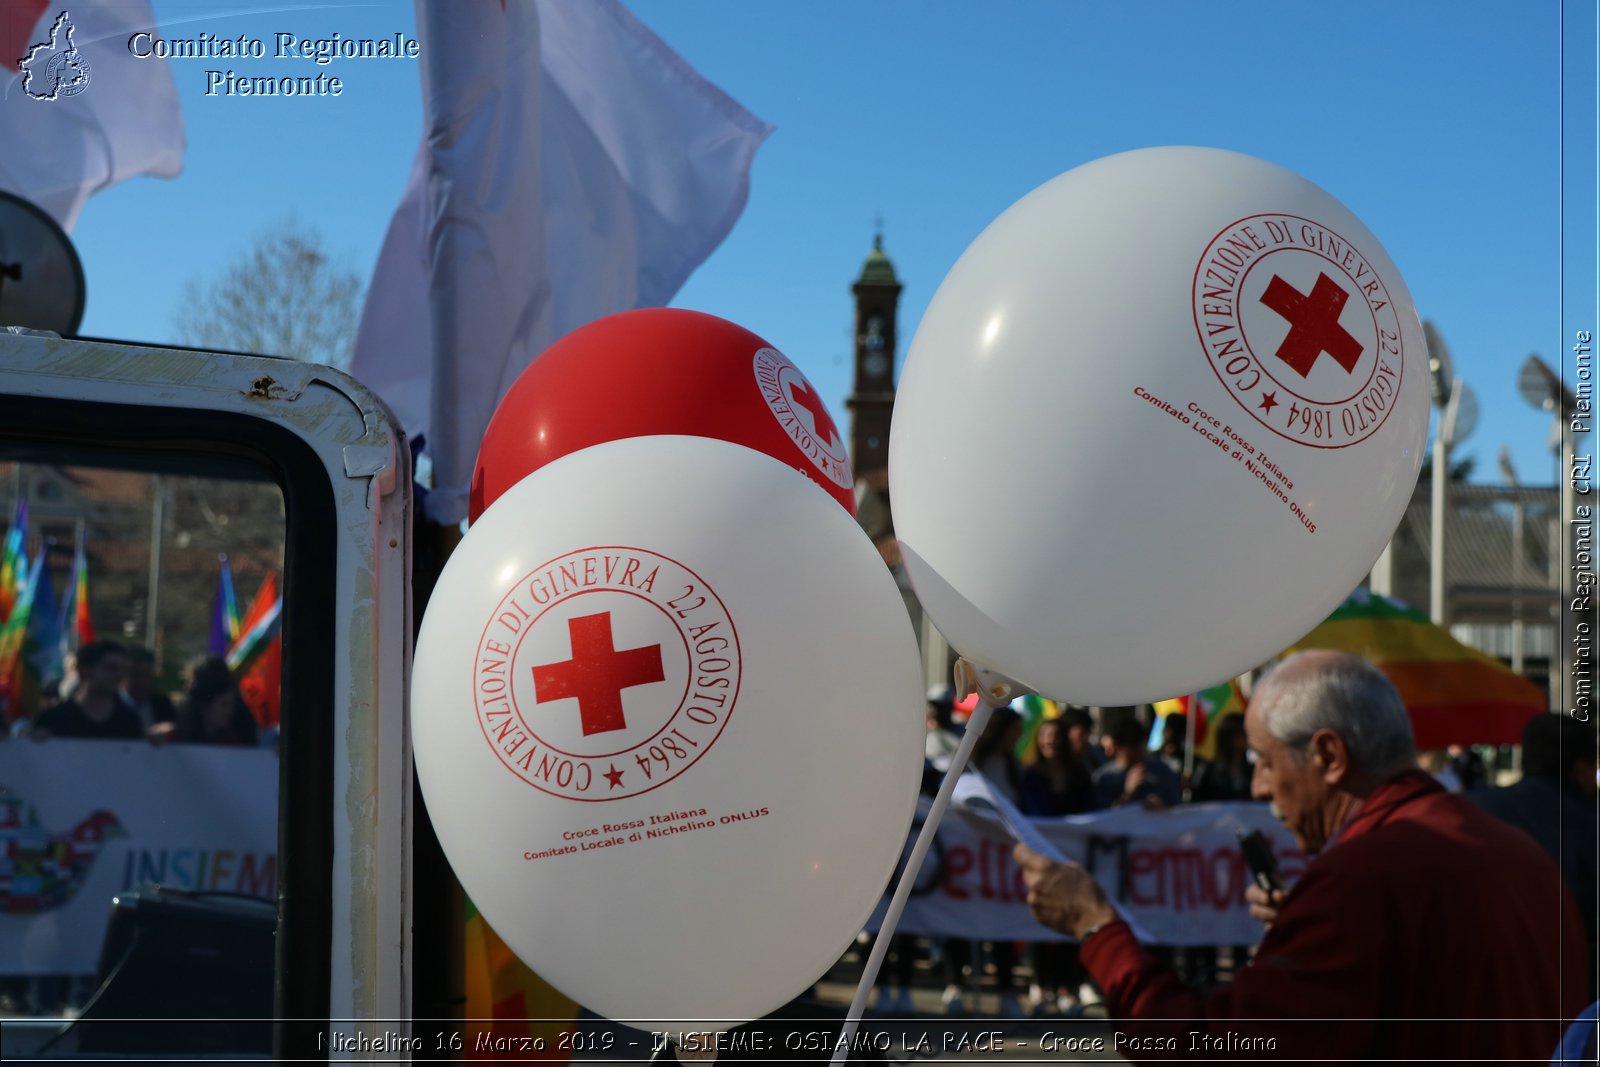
x: 161, y: 440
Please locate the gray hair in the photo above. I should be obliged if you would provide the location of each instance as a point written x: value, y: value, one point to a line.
x: 1320, y: 689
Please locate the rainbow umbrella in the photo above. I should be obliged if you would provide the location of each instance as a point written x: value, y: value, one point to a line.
x: 1455, y: 694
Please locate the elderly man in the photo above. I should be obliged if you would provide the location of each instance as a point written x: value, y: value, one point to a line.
x: 1416, y: 906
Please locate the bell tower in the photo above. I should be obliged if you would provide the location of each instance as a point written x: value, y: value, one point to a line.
x: 871, y: 401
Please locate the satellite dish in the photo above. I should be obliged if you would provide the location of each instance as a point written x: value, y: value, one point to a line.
x: 41, y: 279
x: 1441, y: 368
x: 1541, y: 387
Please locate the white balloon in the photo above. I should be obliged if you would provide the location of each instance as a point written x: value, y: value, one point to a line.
x: 668, y: 718
x: 1188, y: 391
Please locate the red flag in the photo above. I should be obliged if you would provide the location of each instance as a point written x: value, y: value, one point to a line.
x: 261, y: 679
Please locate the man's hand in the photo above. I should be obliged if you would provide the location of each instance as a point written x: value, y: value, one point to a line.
x: 1263, y: 905
x: 1062, y: 896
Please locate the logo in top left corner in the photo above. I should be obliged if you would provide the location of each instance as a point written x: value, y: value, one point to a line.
x: 54, y: 68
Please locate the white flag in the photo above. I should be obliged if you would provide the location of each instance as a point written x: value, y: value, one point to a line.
x: 572, y: 166
x: 80, y: 110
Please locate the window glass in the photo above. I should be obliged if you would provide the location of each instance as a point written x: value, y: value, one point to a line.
x: 141, y: 684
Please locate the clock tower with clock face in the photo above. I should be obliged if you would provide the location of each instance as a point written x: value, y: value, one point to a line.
x: 871, y: 401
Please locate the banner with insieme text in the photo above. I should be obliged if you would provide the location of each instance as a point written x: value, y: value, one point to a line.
x: 81, y: 821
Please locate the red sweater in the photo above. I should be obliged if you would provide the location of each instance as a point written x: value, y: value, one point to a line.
x: 1424, y: 908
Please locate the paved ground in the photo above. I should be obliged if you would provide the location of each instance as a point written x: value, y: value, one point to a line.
x: 980, y: 1035
x: 810, y: 1038
x: 805, y: 1032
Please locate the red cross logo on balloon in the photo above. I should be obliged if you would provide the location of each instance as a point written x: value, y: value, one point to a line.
x: 597, y: 674
x: 788, y: 395
x: 821, y: 423
x: 1314, y: 324
x: 1273, y: 294
x: 605, y: 673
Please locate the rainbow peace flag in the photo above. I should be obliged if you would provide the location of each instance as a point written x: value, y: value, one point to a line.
x: 225, y: 619
x: 43, y: 656
x: 256, y: 656
x: 82, y: 619
x: 13, y: 637
x: 13, y: 562
x: 261, y: 626
x: 1455, y: 694
x: 77, y: 626
x: 1224, y: 698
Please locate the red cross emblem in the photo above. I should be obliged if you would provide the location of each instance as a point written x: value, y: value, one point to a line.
x: 821, y: 424
x: 597, y: 673
x: 1314, y: 324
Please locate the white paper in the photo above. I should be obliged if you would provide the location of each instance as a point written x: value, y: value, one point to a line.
x: 993, y: 814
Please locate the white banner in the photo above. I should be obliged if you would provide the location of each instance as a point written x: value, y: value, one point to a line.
x: 81, y: 821
x: 1177, y: 874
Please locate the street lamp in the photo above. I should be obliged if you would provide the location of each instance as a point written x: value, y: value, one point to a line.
x: 1542, y: 388
x: 1518, y: 526
x: 1458, y: 415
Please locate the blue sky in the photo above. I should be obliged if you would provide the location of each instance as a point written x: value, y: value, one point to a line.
x: 1438, y: 122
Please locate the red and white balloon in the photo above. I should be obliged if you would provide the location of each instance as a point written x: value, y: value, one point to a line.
x: 668, y: 718
x: 660, y: 371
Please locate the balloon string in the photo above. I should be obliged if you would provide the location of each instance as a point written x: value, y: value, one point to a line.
x: 908, y: 877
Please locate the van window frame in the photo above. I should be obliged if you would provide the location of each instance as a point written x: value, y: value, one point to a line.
x: 170, y: 440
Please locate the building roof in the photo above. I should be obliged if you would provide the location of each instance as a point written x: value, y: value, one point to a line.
x: 877, y: 270
x: 1491, y: 570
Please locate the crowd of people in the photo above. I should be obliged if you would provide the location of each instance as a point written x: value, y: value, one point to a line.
x: 1431, y: 892
x: 1074, y: 761
x: 109, y: 692
x: 1410, y: 827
